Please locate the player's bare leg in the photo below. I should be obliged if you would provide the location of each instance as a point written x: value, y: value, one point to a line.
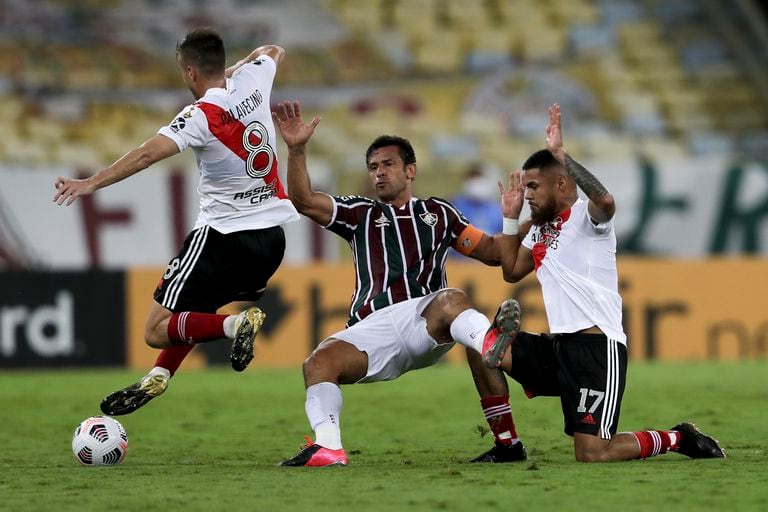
x: 333, y: 363
x: 154, y: 383
x: 683, y: 438
x: 176, y: 334
x: 590, y: 448
x: 491, y: 385
x: 451, y: 317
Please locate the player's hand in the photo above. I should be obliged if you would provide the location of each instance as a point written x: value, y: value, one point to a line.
x: 69, y: 190
x: 512, y: 197
x: 287, y: 117
x: 555, y: 134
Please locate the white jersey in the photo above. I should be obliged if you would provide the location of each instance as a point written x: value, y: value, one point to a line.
x: 232, y: 134
x: 575, y: 262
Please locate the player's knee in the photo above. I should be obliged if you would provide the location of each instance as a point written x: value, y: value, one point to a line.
x: 152, y: 339
x: 153, y: 342
x: 592, y: 456
x: 314, y: 366
x: 454, y: 297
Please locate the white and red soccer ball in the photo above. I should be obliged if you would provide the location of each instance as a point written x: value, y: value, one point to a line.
x: 100, y: 441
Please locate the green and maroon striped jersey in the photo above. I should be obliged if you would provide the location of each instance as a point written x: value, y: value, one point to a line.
x: 399, y: 253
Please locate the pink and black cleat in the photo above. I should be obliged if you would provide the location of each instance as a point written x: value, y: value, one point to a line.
x: 502, y: 333
x: 314, y: 455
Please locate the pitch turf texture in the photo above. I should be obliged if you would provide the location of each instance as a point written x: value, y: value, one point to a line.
x: 213, y: 440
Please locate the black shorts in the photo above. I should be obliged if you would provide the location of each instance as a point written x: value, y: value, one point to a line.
x: 214, y: 269
x: 587, y: 371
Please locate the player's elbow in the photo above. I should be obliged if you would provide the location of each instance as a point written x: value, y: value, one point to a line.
x: 276, y: 52
x: 606, y: 206
x: 510, y: 276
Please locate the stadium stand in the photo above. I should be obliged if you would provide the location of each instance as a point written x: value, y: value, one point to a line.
x: 465, y: 79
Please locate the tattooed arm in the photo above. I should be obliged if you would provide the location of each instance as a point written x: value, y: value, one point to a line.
x: 601, y: 203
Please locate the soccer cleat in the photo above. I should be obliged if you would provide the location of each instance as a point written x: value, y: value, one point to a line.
x: 502, y: 333
x: 247, y: 324
x: 127, y: 400
x: 503, y: 453
x: 695, y: 444
x: 314, y: 455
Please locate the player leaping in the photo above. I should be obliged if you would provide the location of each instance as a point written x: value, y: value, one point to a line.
x: 237, y: 242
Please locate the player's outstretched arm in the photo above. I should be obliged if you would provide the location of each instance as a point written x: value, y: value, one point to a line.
x: 155, y: 149
x: 315, y: 205
x: 601, y: 203
x: 276, y: 52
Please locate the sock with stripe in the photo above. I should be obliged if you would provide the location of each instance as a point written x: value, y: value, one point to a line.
x: 498, y: 413
x: 469, y: 329
x: 188, y: 327
x: 656, y: 442
x: 170, y: 358
x: 323, y: 408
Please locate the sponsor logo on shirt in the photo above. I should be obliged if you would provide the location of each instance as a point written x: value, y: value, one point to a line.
x: 381, y: 222
x: 258, y: 194
x: 178, y: 124
x: 549, y: 233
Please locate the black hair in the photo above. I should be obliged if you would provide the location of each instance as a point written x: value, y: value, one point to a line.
x: 542, y: 159
x: 404, y: 145
x: 203, y: 48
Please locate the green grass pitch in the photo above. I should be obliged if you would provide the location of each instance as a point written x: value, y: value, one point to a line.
x: 213, y: 440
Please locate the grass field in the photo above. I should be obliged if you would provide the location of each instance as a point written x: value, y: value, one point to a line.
x: 213, y: 440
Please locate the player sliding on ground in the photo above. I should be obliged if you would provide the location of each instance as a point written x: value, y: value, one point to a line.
x: 571, y: 245
x: 237, y: 242
x: 402, y: 315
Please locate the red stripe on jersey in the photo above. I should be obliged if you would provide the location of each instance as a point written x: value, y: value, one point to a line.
x: 407, y: 246
x: 548, y: 232
x: 376, y: 254
x: 231, y: 135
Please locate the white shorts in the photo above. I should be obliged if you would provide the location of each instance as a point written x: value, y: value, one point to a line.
x: 395, y: 339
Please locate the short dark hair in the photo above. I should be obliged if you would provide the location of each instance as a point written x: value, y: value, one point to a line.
x: 542, y: 159
x: 404, y: 145
x: 203, y: 48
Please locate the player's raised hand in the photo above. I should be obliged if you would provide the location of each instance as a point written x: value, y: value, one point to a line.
x: 555, y: 134
x: 512, y: 197
x: 287, y: 117
x: 68, y: 189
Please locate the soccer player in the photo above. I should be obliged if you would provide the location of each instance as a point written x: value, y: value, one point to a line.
x: 237, y: 242
x: 402, y: 315
x: 571, y: 245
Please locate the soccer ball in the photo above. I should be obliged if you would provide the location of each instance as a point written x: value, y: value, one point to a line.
x: 100, y: 441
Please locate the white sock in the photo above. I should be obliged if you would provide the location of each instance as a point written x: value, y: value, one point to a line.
x: 229, y: 326
x: 159, y: 370
x: 323, y: 408
x: 469, y: 329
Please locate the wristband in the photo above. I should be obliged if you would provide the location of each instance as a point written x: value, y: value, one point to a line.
x: 509, y: 226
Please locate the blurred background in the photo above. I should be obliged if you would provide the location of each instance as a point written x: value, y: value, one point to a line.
x: 665, y: 101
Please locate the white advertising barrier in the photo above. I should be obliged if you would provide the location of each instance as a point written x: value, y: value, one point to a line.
x: 141, y: 221
x: 682, y: 209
